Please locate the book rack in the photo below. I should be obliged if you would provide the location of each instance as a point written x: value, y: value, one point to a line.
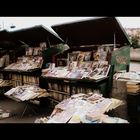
x: 19, y: 78
x: 62, y: 88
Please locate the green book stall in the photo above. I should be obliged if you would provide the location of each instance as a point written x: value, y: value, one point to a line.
x: 96, y: 51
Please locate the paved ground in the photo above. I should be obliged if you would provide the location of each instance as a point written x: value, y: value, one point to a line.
x: 135, y: 66
x: 17, y: 109
x: 135, y: 54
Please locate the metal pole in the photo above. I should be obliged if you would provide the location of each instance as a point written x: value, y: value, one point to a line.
x: 3, y: 25
x: 114, y: 40
x: 48, y: 41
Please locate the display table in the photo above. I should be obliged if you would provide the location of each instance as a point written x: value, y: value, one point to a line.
x: 27, y: 95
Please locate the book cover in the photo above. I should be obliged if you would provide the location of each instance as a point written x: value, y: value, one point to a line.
x: 29, y: 51
x: 62, y: 62
x: 75, y: 74
x: 96, y: 56
x: 87, y: 56
x: 36, y: 51
x: 72, y: 65
x: 73, y: 56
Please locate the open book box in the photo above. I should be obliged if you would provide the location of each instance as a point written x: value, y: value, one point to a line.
x: 95, y: 35
x: 95, y: 39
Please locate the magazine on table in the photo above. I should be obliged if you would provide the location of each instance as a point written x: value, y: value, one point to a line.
x: 85, y: 65
x: 29, y: 51
x: 99, y: 72
x: 26, y: 64
x: 37, y: 51
x: 73, y: 56
x: 75, y: 74
x: 72, y: 65
x: 87, y: 56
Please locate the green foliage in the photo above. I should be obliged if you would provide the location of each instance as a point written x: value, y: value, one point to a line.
x: 135, y: 42
x: 62, y: 47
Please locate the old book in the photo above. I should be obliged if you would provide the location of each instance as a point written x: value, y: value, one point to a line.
x: 37, y: 51
x: 2, y: 61
x: 80, y: 57
x: 72, y: 65
x: 73, y: 56
x: 87, y: 56
x: 29, y: 51
x: 96, y: 56
x: 62, y: 62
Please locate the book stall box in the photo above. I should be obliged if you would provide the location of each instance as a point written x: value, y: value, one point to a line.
x: 91, y: 60
x: 9, y: 51
x: 127, y: 88
x: 27, y: 69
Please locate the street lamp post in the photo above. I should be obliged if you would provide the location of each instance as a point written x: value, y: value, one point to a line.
x: 3, y: 27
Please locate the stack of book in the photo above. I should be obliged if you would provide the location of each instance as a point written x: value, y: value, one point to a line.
x: 30, y: 80
x: 33, y: 51
x: 132, y: 80
x: 4, y: 83
x: 127, y: 76
x: 16, y: 80
x: 58, y: 91
x: 83, y: 108
x: 133, y: 87
x: 4, y: 61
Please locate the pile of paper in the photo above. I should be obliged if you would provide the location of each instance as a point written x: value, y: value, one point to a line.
x: 108, y: 119
x: 128, y: 76
x: 26, y: 64
x: 24, y: 93
x: 83, y: 108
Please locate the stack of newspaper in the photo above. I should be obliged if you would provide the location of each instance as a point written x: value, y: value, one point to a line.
x: 24, y: 93
x: 84, y: 108
x: 127, y: 76
x: 26, y: 64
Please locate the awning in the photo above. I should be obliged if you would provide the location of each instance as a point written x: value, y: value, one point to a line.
x: 35, y: 35
x: 92, y: 32
x: 5, y: 36
x: 6, y: 40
